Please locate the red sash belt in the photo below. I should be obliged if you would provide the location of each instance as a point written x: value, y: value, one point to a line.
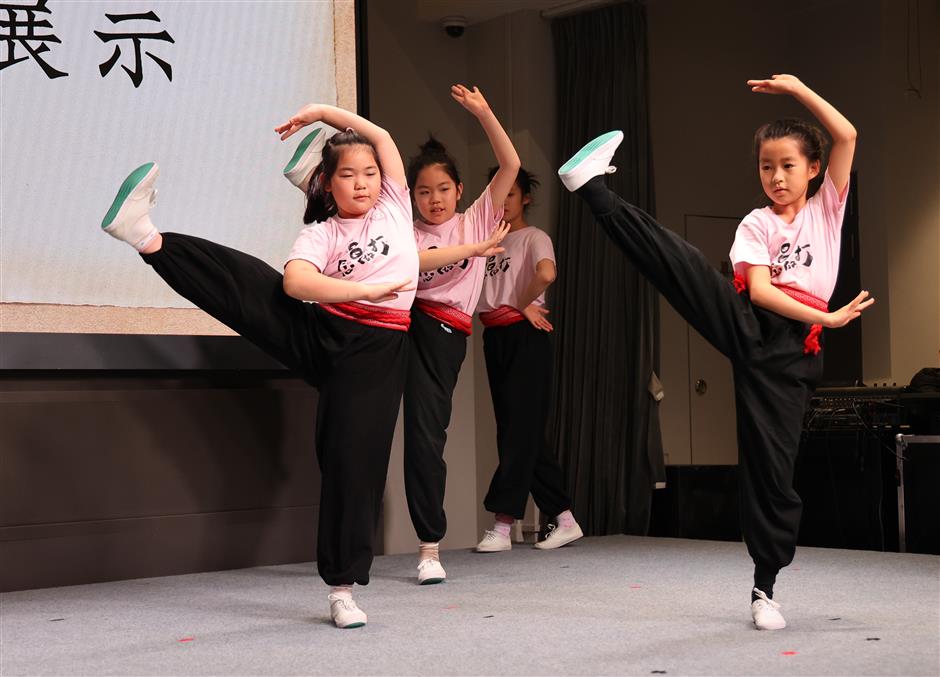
x: 811, y: 342
x: 374, y: 316
x: 501, y: 317
x: 457, y: 319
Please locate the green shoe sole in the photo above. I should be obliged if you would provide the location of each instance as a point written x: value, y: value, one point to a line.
x: 588, y: 148
x: 302, y: 148
x: 130, y: 183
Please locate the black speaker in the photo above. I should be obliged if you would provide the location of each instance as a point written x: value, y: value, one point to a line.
x: 847, y: 483
x: 921, y: 472
x: 699, y: 501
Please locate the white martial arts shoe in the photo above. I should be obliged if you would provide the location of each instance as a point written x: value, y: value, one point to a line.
x: 592, y: 160
x: 766, y: 613
x: 493, y: 541
x: 430, y: 571
x: 306, y: 158
x: 345, y: 613
x: 128, y: 219
x: 559, y: 536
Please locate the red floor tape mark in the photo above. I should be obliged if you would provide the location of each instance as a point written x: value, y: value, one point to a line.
x: 451, y: 606
x: 788, y: 653
x: 635, y: 587
x: 187, y: 639
x: 795, y: 568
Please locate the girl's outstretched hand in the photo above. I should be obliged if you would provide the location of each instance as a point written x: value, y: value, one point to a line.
x: 490, y: 246
x: 848, y: 312
x: 305, y: 116
x: 473, y: 101
x: 536, y: 316
x: 378, y: 293
x: 777, y: 84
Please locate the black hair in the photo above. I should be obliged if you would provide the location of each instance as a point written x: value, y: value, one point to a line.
x: 320, y: 202
x: 431, y: 152
x: 810, y: 137
x: 526, y: 181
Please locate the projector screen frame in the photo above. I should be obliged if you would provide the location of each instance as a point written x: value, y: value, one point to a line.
x: 38, y: 351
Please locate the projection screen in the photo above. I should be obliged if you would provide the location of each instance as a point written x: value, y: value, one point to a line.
x: 90, y: 90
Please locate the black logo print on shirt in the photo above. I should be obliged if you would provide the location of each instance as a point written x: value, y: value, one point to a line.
x: 428, y: 275
x: 359, y: 254
x: 494, y: 267
x: 789, y: 258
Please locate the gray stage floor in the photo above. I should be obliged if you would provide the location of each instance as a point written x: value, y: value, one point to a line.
x: 612, y: 605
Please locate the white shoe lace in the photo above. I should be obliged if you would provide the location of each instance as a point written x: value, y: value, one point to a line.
x: 550, y: 532
x: 426, y: 564
x: 347, y: 604
x: 490, y: 536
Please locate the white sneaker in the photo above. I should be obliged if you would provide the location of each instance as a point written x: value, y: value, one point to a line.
x: 430, y: 571
x: 493, y: 541
x: 559, y: 536
x: 128, y: 218
x: 345, y: 613
x: 766, y: 613
x: 306, y: 158
x: 592, y: 160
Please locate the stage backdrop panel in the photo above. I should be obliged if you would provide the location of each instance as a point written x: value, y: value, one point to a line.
x: 203, y: 106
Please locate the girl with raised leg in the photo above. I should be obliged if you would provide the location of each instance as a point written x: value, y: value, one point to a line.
x: 358, y: 262
x: 769, y: 322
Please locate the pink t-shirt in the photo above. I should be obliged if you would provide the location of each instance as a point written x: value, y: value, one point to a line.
x: 802, y: 254
x: 377, y: 248
x: 457, y: 285
x: 508, y: 274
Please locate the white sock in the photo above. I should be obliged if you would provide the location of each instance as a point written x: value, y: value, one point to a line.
x: 566, y: 520
x: 138, y: 235
x: 429, y: 551
x: 502, y: 528
x: 342, y: 591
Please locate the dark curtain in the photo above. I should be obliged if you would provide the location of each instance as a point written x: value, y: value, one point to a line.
x: 605, y: 428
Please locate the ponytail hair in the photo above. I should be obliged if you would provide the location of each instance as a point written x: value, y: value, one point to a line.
x: 431, y: 152
x: 525, y: 180
x: 812, y: 141
x: 320, y: 202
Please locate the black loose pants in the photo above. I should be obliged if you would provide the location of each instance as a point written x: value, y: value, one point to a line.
x: 773, y: 379
x: 359, y: 371
x: 519, y: 367
x: 437, y: 351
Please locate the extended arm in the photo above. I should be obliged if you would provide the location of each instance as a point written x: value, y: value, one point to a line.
x: 505, y: 152
x: 432, y: 259
x: 543, y: 278
x: 389, y: 156
x: 765, y: 295
x: 304, y: 281
x: 842, y: 131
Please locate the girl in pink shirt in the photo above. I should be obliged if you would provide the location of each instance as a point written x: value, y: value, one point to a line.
x: 451, y: 245
x: 769, y: 322
x: 358, y: 263
x: 518, y: 350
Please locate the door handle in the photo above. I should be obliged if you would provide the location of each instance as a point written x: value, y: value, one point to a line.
x: 701, y: 386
